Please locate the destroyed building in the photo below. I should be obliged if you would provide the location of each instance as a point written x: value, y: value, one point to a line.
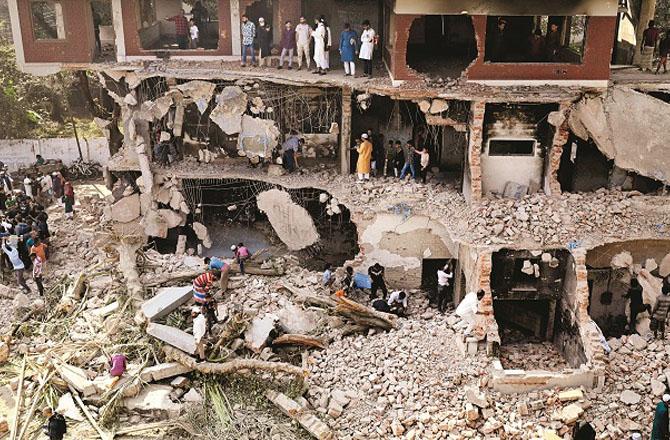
x: 548, y: 176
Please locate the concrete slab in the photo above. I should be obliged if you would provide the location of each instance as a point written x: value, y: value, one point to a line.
x: 166, y: 301
x: 127, y: 209
x: 163, y: 371
x: 77, y: 378
x: 173, y: 336
x: 259, y: 330
x: 154, y: 398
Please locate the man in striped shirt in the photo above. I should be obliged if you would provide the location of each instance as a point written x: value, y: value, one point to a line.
x: 660, y: 313
x: 202, y: 286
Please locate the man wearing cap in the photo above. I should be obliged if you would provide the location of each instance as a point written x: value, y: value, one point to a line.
x: 364, y: 158
x: 659, y: 430
x: 263, y: 41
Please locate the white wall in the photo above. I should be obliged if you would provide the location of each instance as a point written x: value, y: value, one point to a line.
x: 16, y: 153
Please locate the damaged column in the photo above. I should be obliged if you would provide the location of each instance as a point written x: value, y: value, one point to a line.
x: 474, y: 169
x: 345, y: 133
x: 559, y: 120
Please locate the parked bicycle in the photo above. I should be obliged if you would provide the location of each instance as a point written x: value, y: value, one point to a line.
x: 83, y: 170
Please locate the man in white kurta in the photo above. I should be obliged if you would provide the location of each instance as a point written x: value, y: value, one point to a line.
x: 368, y: 38
x: 467, y: 309
x: 319, y: 36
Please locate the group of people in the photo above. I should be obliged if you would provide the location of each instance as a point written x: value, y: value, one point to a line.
x: 309, y: 43
x: 396, y: 160
x: 188, y: 31
x: 540, y: 48
x: 654, y: 39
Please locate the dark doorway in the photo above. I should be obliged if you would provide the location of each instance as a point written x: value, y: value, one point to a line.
x: 429, y: 268
x: 441, y: 45
x: 583, y: 167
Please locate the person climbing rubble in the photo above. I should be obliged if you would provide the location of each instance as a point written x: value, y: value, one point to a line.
x: 219, y: 264
x: 469, y: 308
x: 241, y: 254
x: 659, y: 314
x: 327, y: 279
x: 202, y: 287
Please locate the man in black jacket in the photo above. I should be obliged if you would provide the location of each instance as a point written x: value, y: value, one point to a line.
x: 376, y: 273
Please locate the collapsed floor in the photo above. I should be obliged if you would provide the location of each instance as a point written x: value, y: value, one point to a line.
x: 410, y: 382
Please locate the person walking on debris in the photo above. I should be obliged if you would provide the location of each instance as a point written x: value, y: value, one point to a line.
x: 376, y: 274
x: 648, y: 45
x: 218, y: 264
x: 68, y: 200
x: 17, y: 264
x: 248, y: 37
x: 469, y: 308
x: 202, y: 286
x: 349, y: 49
x: 303, y: 37
x: 348, y: 280
x: 398, y: 159
x: 368, y: 41
x: 181, y: 28
x: 660, y: 430
x: 290, y: 150
x: 55, y: 427
x: 363, y: 164
x: 636, y: 304
x: 287, y: 44
x: 444, y: 274
x: 241, y: 255
x: 38, y: 265
x: 659, y: 314
x: 398, y: 303
x: 263, y: 41
x: 663, y: 52
x: 327, y: 278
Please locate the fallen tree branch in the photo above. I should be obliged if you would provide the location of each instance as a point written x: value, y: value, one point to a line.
x: 303, y: 340
x: 234, y: 366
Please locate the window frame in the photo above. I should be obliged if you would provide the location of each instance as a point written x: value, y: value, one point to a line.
x: 59, y: 17
x: 533, y: 152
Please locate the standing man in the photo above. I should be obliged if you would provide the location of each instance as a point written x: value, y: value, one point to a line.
x: 553, y: 42
x: 242, y: 254
x: 195, y: 34
x: 647, y: 46
x: 663, y: 52
x: 444, y: 275
x: 424, y: 162
x: 659, y: 314
x: 68, y: 196
x: 290, y: 149
x: 368, y: 39
x: 636, y: 305
x: 248, y: 37
x: 398, y: 159
x: 660, y: 429
x: 499, y: 42
x: 327, y: 279
x: 38, y: 265
x: 409, y: 161
x: 180, y: 28
x: 288, y: 44
x: 55, y: 427
x: 264, y: 40
x: 364, y: 158
x: 17, y: 265
x: 320, y: 36
x: 348, y: 49
x: 376, y: 273
x: 303, y: 36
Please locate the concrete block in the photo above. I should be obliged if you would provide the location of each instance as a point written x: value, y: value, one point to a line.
x: 127, y: 209
x: 77, y: 378
x: 106, y: 310
x: 173, y: 336
x: 166, y: 301
x: 570, y: 395
x: 163, y: 371
x: 259, y: 330
x: 154, y: 398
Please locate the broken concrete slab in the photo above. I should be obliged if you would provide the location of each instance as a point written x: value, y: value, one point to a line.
x: 258, y: 332
x: 292, y: 223
x: 154, y: 398
x: 569, y: 414
x: 203, y: 234
x: 200, y: 91
x: 68, y: 408
x: 438, y: 106
x: 173, y: 218
x: 294, y: 319
x: 163, y: 371
x: 570, y: 395
x: 173, y: 336
x: 166, y: 300
x: 476, y: 398
x: 192, y: 396
x: 629, y: 397
x: 258, y: 137
x: 231, y: 105
x: 307, y: 420
x: 77, y: 378
x: 126, y: 209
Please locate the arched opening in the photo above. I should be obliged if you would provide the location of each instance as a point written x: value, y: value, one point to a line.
x: 441, y: 45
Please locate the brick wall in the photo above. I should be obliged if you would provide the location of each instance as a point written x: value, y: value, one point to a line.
x: 396, y: 51
x: 476, y: 128
x: 561, y: 134
x: 78, y: 46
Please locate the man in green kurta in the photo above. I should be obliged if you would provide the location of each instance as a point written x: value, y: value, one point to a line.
x: 660, y: 429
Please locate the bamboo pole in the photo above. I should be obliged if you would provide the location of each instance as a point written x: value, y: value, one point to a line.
x: 36, y: 399
x: 17, y: 405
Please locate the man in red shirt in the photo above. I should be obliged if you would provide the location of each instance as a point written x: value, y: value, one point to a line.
x: 181, y: 29
x: 202, y: 286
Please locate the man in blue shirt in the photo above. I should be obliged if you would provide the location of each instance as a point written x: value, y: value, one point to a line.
x: 219, y: 264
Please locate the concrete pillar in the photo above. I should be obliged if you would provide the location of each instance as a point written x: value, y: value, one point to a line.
x: 235, y: 30
x: 17, y: 36
x: 345, y: 131
x: 647, y: 12
x: 117, y: 23
x: 476, y: 131
x: 553, y: 160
